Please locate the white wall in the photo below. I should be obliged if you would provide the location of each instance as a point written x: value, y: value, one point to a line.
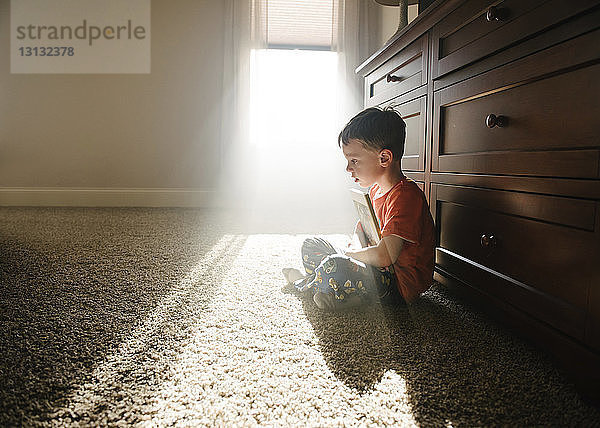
x: 388, y: 19
x: 102, y: 139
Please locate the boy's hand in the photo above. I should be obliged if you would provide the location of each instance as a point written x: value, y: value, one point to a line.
x: 359, y: 232
x: 354, y: 243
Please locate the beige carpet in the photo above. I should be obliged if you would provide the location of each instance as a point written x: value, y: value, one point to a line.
x: 176, y: 317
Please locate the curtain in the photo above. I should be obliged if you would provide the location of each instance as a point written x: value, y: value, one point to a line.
x: 244, y: 30
x: 243, y: 26
x: 353, y: 40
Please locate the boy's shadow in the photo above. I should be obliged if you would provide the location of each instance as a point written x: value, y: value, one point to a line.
x: 356, y: 343
x: 458, y: 367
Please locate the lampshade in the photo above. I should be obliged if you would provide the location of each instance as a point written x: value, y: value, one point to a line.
x: 394, y: 2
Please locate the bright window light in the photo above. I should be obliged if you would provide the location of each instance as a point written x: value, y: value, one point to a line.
x: 293, y: 98
x: 295, y: 161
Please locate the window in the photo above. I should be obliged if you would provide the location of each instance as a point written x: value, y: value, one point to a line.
x: 293, y: 118
x: 293, y: 98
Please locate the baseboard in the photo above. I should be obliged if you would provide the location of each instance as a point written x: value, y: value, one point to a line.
x: 90, y: 197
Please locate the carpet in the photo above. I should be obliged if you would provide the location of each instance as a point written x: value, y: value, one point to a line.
x: 160, y: 317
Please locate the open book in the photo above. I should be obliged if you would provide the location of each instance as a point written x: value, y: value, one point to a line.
x: 368, y: 220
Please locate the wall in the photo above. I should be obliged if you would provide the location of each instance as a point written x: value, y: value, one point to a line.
x: 101, y: 139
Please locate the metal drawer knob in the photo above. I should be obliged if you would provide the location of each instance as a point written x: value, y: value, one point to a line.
x: 496, y: 14
x: 391, y: 78
x: 488, y: 241
x: 492, y: 120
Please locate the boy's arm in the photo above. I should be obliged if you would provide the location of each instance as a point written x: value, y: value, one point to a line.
x: 381, y: 255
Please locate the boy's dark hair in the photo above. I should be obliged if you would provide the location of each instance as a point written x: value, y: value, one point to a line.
x: 377, y: 129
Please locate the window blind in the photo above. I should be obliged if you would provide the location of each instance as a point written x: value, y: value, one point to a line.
x: 299, y: 23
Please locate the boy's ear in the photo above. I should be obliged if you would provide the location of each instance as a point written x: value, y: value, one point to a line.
x: 385, y: 157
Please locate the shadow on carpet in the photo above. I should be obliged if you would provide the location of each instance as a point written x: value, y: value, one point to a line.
x: 460, y: 369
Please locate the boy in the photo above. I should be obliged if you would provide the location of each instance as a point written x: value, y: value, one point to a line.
x: 400, y: 267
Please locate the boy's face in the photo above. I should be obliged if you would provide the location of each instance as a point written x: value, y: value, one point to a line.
x: 364, y: 164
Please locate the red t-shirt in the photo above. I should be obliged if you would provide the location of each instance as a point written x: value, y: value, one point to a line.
x: 403, y: 211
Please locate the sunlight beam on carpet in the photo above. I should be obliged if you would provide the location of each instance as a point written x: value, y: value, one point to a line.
x: 138, y: 355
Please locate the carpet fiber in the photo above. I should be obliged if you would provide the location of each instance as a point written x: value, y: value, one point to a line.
x: 173, y: 316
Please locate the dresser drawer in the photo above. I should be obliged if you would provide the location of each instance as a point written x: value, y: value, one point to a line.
x: 404, y: 72
x: 414, y: 115
x: 479, y: 28
x: 593, y: 320
x: 541, y: 252
x: 550, y: 128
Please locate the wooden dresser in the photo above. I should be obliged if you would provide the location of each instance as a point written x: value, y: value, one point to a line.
x: 502, y: 105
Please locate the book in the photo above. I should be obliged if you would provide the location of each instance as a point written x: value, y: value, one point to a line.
x: 367, y: 217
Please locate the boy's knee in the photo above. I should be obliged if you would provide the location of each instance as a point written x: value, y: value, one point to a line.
x: 318, y: 246
x: 313, y: 251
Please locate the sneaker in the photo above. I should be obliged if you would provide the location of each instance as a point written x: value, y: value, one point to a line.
x: 324, y: 301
